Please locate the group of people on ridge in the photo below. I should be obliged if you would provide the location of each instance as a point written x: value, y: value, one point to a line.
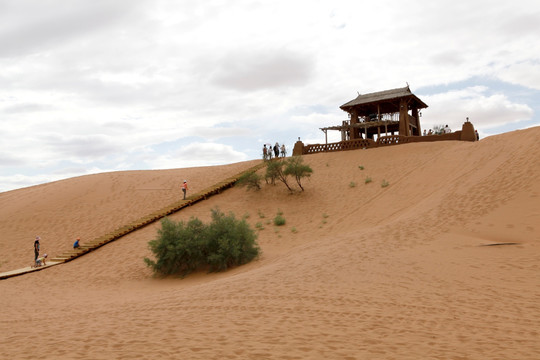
x: 269, y: 152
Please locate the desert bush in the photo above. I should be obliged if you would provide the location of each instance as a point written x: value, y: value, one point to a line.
x: 182, y: 248
x: 178, y: 248
x: 250, y: 180
x: 368, y: 180
x: 229, y: 242
x: 279, y: 220
x: 384, y: 183
x: 352, y: 184
x: 361, y: 167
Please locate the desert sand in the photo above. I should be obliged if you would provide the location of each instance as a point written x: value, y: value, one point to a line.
x: 359, y: 271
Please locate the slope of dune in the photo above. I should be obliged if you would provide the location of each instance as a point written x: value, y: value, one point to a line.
x: 359, y: 271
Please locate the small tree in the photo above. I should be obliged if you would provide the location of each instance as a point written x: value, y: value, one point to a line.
x: 295, y: 166
x: 438, y: 129
x: 274, y: 170
x: 251, y: 180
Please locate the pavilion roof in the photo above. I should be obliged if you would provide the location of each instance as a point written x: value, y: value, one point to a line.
x: 387, y: 101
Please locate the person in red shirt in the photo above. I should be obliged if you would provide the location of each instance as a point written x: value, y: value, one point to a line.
x: 184, y: 188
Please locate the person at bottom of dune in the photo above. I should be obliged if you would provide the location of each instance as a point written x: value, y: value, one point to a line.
x: 41, y: 261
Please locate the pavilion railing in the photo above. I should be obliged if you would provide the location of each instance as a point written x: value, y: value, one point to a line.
x: 339, y: 146
x: 368, y: 143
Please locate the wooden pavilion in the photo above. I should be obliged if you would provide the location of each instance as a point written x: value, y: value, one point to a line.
x: 390, y: 111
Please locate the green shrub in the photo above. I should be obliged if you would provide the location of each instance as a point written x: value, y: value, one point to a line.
x: 182, y: 248
x: 352, y: 184
x: 368, y: 180
x: 250, y: 180
x: 384, y: 183
x: 279, y: 220
x: 259, y: 226
x: 293, y: 230
x: 361, y: 167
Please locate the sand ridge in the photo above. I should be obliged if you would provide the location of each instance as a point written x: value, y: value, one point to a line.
x: 368, y: 273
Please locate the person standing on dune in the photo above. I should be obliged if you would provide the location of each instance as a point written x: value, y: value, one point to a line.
x: 184, y: 188
x: 36, y: 248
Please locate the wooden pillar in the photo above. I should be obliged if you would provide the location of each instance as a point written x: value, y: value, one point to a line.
x: 403, y: 118
x: 355, y: 132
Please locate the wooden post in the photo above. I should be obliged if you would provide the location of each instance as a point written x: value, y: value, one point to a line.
x: 355, y: 133
x: 403, y: 118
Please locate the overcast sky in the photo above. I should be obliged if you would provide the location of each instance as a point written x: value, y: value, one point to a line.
x: 106, y: 85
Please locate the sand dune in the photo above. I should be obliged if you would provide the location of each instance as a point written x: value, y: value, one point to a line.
x: 369, y: 272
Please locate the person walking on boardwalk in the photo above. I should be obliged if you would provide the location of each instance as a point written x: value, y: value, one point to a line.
x: 184, y: 188
x: 36, y: 248
x: 76, y: 244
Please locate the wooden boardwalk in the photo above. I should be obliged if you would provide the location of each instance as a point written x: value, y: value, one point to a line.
x: 135, y: 225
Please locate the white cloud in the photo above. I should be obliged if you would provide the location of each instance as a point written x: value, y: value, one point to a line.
x: 484, y: 111
x: 524, y: 73
x: 105, y: 84
x: 197, y: 154
x: 248, y: 71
